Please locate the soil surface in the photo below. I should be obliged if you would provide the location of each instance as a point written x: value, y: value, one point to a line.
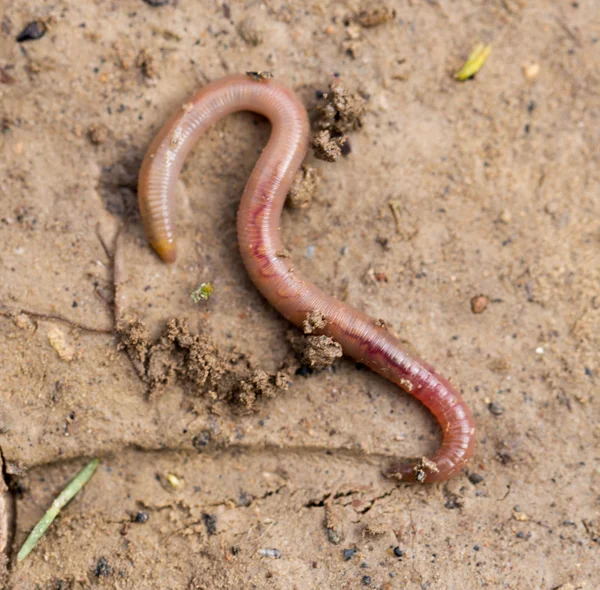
x: 464, y: 215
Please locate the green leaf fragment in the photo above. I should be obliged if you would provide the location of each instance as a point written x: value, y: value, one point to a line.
x: 474, y: 62
x: 203, y: 292
x: 59, y: 503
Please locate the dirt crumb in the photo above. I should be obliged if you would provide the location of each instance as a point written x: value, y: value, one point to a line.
x: 58, y: 341
x: 333, y: 524
x: 321, y: 351
x: 315, y: 320
x: 316, y: 352
x: 24, y: 322
x: 190, y: 358
x: 341, y: 111
x: 250, y: 31
x: 145, y: 62
x: 304, y: 188
x: 98, y: 133
x: 325, y: 147
x: 374, y: 14
x: 134, y: 340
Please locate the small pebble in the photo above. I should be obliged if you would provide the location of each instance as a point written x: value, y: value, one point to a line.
x: 102, y: 568
x: 5, y: 77
x: 272, y: 553
x: 475, y: 478
x: 155, y: 3
x: 348, y: 554
x: 210, y: 521
x: 398, y: 552
x: 479, y: 303
x: 141, y: 517
x: 531, y: 71
x: 32, y: 32
x: 496, y: 409
x: 539, y: 350
x: 366, y: 580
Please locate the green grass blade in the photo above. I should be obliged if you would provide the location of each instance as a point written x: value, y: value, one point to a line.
x: 61, y: 500
x: 474, y: 62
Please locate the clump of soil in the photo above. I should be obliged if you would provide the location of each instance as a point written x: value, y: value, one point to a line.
x: 191, y: 358
x: 315, y: 320
x: 304, y: 188
x: 98, y: 134
x: 341, y: 111
x: 314, y: 351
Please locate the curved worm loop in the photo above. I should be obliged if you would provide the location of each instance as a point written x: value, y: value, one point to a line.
x: 259, y: 241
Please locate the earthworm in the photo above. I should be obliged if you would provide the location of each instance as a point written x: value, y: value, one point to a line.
x: 269, y: 266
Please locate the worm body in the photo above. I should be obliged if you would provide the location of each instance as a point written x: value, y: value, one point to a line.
x: 260, y: 246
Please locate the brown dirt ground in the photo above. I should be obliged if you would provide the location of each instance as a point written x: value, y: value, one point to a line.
x: 451, y: 190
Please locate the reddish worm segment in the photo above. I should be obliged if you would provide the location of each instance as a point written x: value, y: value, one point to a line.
x: 260, y: 243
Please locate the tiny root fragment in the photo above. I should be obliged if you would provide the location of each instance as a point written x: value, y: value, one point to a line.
x: 59, y: 503
x: 474, y: 62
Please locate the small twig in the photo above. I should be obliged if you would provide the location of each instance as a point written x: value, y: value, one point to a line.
x: 116, y: 264
x: 395, y: 207
x: 10, y: 313
x: 102, y: 242
x: 563, y: 25
x: 59, y: 503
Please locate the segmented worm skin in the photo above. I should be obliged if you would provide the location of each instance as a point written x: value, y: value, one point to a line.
x: 260, y: 246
